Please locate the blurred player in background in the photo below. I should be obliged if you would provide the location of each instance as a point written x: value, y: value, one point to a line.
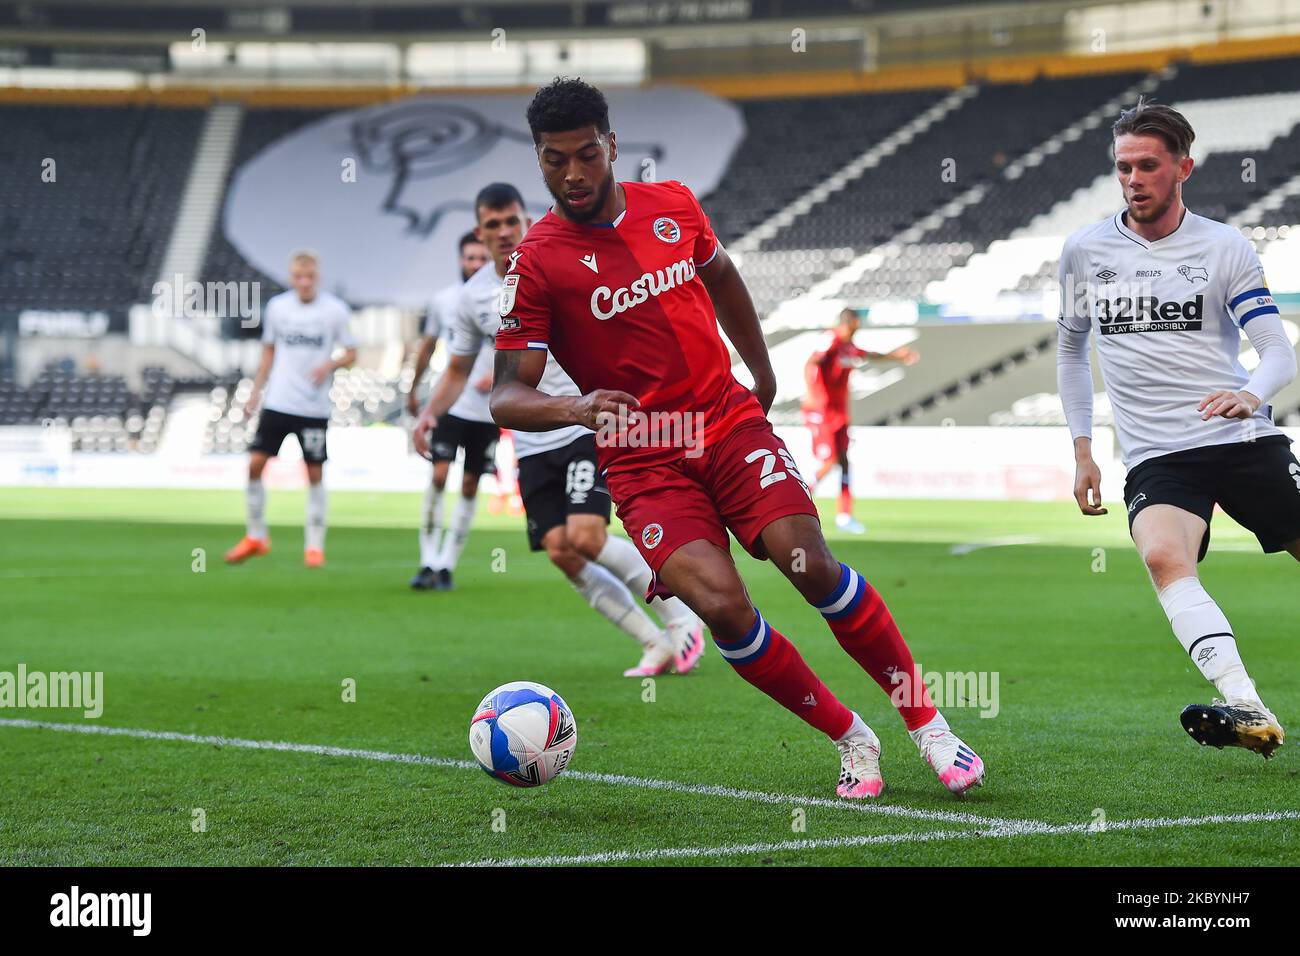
x: 467, y: 426
x: 1169, y: 292
x: 826, y: 406
x: 565, y: 499
x: 626, y: 285
x: 301, y: 329
x: 507, y: 496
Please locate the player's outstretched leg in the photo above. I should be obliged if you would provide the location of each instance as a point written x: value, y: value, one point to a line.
x: 683, y: 629
x: 256, y: 541
x: 861, y: 622
x: 704, y: 576
x: 1169, y: 540
x: 610, y: 598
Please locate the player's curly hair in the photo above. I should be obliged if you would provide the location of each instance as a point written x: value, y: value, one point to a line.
x: 567, y: 103
x: 1157, y: 119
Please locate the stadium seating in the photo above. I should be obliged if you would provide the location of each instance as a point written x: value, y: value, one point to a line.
x: 360, y: 397
x: 103, y: 414
x: 92, y: 238
x: 1029, y: 164
x: 778, y: 159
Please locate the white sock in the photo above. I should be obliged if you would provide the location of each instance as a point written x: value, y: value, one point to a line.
x: 858, y: 726
x: 431, y: 530
x: 454, y: 538
x: 610, y: 597
x: 255, y: 498
x: 1206, y: 635
x: 937, y: 722
x: 621, y: 556
x: 314, y: 532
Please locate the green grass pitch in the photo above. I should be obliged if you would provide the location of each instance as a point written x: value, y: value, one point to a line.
x: 1090, y: 683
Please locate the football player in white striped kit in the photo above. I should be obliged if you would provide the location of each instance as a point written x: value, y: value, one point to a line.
x: 468, y: 427
x: 1169, y: 293
x: 565, y: 499
x: 302, y: 328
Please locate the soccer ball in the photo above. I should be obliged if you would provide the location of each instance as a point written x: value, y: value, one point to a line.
x: 523, y: 733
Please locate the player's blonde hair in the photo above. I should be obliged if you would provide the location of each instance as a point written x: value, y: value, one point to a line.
x: 305, y: 255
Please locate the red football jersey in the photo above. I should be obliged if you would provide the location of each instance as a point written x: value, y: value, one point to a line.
x: 828, y: 386
x: 620, y: 306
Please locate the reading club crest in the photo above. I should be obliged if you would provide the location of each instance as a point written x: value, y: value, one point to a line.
x: 667, y: 230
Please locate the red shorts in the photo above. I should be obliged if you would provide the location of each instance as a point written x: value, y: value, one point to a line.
x: 830, y: 435
x: 743, y: 483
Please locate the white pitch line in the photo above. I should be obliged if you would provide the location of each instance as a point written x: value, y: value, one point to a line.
x: 703, y: 852
x: 182, y: 567
x: 988, y: 827
x: 1009, y: 541
x: 645, y: 783
x: 1011, y: 828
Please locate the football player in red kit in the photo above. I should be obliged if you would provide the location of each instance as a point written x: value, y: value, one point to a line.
x: 826, y: 406
x: 625, y: 284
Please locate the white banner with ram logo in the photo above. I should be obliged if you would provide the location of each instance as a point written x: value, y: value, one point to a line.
x: 385, y: 192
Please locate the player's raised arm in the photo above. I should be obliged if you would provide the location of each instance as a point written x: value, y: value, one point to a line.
x: 904, y: 355
x: 517, y: 403
x: 739, y: 320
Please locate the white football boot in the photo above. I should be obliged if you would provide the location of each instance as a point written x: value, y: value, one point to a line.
x: 687, y: 640
x: 655, y: 659
x: 849, y: 524
x: 859, y: 763
x: 959, y: 768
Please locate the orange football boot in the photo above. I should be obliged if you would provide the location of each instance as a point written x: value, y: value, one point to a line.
x: 248, y: 548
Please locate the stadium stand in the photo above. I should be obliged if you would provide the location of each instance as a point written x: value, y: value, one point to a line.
x: 971, y: 147
x: 103, y: 414
x: 360, y: 397
x: 776, y: 162
x: 93, y: 237
x: 800, y: 213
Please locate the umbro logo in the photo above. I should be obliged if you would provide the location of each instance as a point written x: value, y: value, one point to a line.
x: 1105, y: 275
x: 589, y: 261
x: 1205, y: 654
x: 810, y: 701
